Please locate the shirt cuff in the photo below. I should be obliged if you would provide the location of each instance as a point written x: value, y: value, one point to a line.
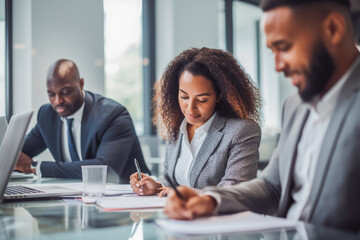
x: 216, y: 197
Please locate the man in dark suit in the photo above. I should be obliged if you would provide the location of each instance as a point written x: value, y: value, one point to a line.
x: 313, y: 174
x: 80, y: 128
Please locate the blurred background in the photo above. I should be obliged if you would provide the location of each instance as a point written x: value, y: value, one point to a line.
x: 123, y: 46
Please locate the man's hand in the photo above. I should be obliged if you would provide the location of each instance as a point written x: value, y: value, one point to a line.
x: 146, y: 186
x: 193, y: 206
x: 24, y: 164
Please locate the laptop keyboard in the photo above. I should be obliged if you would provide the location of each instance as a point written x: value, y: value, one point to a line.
x: 18, y: 190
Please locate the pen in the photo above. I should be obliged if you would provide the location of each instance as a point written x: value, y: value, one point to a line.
x: 133, y: 231
x: 137, y: 168
x: 174, y: 187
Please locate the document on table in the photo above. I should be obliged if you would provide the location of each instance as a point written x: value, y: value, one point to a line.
x: 110, y: 189
x: 240, y: 222
x: 17, y: 175
x: 131, y: 202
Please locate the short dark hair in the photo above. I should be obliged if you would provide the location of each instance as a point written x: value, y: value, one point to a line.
x: 267, y: 5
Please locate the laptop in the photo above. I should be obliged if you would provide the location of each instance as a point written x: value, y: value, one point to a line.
x: 3, y: 127
x: 9, y: 152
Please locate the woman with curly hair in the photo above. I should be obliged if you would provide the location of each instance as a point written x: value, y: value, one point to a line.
x: 207, y: 108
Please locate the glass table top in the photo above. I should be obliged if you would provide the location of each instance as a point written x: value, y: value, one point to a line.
x: 71, y: 219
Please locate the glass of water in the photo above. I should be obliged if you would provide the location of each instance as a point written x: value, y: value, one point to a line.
x: 94, y: 180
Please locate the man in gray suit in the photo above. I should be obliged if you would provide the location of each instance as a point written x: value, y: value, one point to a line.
x: 313, y: 174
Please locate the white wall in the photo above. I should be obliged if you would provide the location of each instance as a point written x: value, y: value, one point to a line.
x: 2, y: 10
x: 22, y: 63
x: 48, y: 30
x: 182, y: 24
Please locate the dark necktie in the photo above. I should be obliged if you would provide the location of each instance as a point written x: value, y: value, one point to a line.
x: 72, y: 149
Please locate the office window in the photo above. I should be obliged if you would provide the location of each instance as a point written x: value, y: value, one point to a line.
x: 250, y: 49
x: 2, y: 58
x: 123, y: 56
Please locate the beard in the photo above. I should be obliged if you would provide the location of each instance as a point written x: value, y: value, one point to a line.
x: 319, y: 74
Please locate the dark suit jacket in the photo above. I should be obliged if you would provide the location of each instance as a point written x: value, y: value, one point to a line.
x: 107, y: 137
x: 335, y: 194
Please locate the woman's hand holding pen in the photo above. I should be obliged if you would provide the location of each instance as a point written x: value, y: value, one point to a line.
x: 193, y: 206
x: 146, y: 186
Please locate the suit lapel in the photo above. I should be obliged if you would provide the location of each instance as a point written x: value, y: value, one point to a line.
x: 85, y: 123
x: 210, y: 143
x: 289, y: 155
x: 58, y: 140
x: 174, y: 158
x: 343, y: 104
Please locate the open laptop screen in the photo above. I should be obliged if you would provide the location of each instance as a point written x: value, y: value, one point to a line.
x: 11, y: 147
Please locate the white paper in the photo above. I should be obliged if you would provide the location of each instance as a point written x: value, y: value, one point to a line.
x: 240, y: 222
x: 131, y: 202
x: 110, y: 189
x: 17, y: 175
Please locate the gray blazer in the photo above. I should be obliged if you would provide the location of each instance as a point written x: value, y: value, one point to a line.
x: 229, y: 154
x: 335, y: 196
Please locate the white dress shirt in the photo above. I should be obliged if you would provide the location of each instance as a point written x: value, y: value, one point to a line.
x: 76, y: 130
x: 309, y: 147
x: 189, y: 150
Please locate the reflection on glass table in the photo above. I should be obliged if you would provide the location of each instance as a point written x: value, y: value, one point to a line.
x: 71, y: 219
x: 36, y: 218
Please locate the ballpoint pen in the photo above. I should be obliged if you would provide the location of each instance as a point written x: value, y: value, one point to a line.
x: 139, y: 171
x: 168, y: 179
x: 137, y: 168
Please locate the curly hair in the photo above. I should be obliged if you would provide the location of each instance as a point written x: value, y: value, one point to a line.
x: 238, y: 96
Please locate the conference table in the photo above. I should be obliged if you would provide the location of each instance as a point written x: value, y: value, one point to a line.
x: 68, y: 219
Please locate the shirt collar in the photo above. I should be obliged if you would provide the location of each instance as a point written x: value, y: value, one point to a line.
x: 202, y: 129
x: 206, y: 126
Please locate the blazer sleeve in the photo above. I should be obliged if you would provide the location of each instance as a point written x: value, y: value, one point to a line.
x: 242, y: 163
x: 261, y: 195
x: 117, y: 142
x: 34, y: 143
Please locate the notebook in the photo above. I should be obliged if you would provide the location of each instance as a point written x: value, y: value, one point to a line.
x: 9, y: 153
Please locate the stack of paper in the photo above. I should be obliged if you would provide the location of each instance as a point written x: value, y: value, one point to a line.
x: 131, y: 202
x: 240, y: 222
x: 110, y: 189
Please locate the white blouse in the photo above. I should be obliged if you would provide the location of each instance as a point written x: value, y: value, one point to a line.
x: 188, y: 151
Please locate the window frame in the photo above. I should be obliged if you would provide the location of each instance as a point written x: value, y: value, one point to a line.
x: 8, y: 60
